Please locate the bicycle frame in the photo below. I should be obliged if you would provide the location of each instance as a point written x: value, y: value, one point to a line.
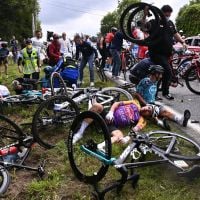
x: 20, y: 165
x: 87, y: 95
x: 122, y: 167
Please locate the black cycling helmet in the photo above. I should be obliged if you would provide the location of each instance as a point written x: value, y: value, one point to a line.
x: 113, y: 29
x: 156, y: 69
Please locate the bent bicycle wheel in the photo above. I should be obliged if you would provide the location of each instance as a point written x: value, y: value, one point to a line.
x: 86, y: 167
x: 20, y: 98
x: 52, y: 120
x: 10, y: 133
x: 4, y: 180
x: 113, y: 94
x: 192, y: 80
x: 175, y: 145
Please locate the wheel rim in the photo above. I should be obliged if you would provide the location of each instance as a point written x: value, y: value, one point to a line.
x: 86, y: 167
x: 51, y: 125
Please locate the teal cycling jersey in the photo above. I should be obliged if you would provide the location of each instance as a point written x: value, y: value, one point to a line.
x: 147, y: 89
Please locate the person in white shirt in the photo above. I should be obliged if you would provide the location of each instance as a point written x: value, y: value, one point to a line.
x: 39, y: 43
x: 65, y: 46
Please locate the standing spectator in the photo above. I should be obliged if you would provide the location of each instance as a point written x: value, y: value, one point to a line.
x: 101, y: 45
x: 108, y: 39
x: 89, y: 53
x: 115, y: 49
x: 30, y: 60
x: 39, y: 44
x: 14, y: 49
x: 53, y: 51
x: 4, y: 52
x: 160, y: 52
x: 65, y: 46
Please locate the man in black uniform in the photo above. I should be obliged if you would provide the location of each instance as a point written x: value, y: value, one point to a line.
x: 160, y: 52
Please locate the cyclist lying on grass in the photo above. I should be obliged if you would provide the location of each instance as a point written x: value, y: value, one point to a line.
x: 126, y: 113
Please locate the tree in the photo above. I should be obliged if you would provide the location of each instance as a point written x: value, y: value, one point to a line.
x: 112, y: 18
x: 186, y: 13
x: 16, y: 18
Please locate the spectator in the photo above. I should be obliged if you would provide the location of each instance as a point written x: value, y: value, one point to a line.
x: 53, y: 51
x: 39, y: 44
x: 89, y: 53
x: 29, y: 61
x: 14, y: 48
x: 161, y: 51
x: 101, y: 45
x: 4, y: 52
x: 65, y: 46
x: 108, y: 39
x: 115, y: 49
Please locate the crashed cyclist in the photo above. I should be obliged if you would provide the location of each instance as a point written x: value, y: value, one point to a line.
x: 126, y: 113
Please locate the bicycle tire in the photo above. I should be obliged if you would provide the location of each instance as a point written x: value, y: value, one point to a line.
x: 62, y: 84
x: 151, y: 40
x: 185, y: 147
x: 20, y: 99
x: 119, y: 94
x: 50, y: 125
x: 9, y: 132
x: 195, y: 80
x: 97, y: 64
x: 4, y: 180
x: 85, y: 167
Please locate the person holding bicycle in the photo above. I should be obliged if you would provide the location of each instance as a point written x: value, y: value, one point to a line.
x: 161, y: 51
x: 130, y: 113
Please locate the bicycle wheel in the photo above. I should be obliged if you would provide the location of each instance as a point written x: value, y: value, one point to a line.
x: 117, y: 94
x: 192, y: 80
x: 56, y: 81
x: 4, y: 180
x: 20, y: 99
x: 99, y: 70
x: 52, y: 120
x: 10, y: 133
x: 86, y: 167
x: 183, y: 148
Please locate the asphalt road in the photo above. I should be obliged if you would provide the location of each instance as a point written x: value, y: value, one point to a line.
x: 184, y: 99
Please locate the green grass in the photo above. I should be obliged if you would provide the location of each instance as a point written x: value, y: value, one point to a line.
x: 158, y: 182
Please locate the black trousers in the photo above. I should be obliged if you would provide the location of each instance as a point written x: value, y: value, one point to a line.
x: 103, y: 57
x: 167, y: 75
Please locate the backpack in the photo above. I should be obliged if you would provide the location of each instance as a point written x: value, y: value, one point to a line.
x: 108, y: 39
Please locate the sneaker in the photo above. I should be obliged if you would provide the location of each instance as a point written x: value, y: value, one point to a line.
x: 158, y: 98
x: 168, y: 96
x: 77, y: 137
x: 166, y: 126
x: 91, y: 84
x: 186, y: 117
